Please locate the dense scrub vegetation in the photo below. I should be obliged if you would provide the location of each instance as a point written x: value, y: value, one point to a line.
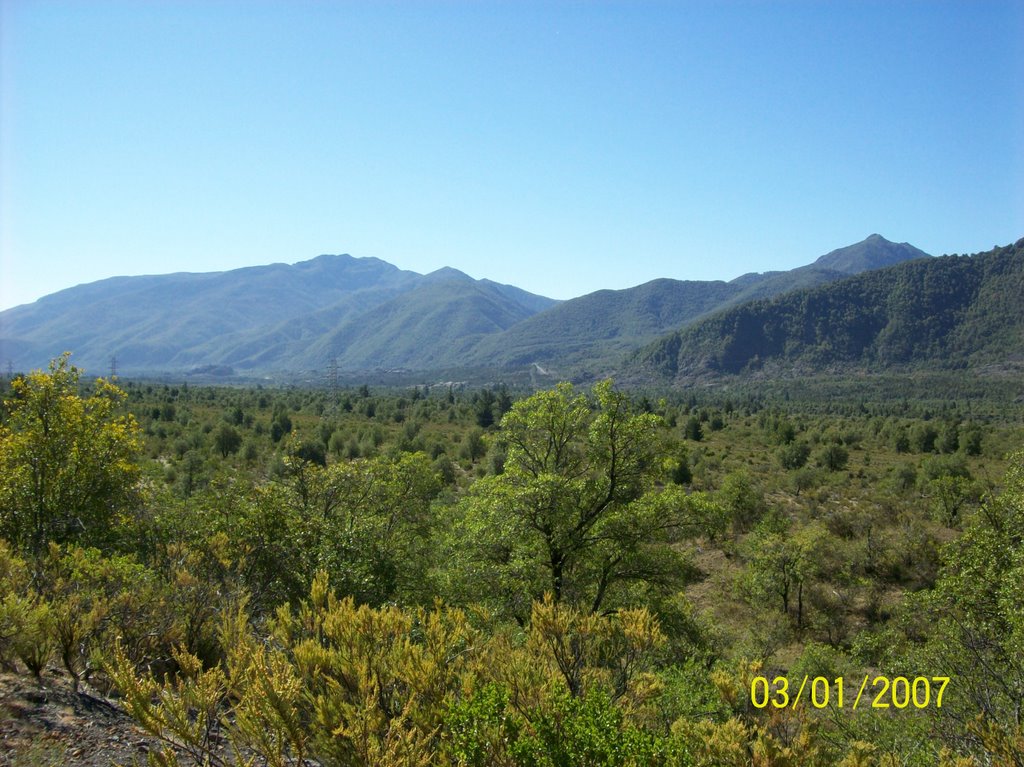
x: 445, y: 576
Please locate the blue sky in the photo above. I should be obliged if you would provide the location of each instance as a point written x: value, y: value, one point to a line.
x: 561, y: 147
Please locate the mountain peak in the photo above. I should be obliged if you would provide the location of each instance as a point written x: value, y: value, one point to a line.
x: 447, y: 274
x: 324, y: 258
x: 945, y: 312
x: 874, y: 252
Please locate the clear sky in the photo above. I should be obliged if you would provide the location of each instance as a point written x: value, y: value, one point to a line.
x: 559, y: 146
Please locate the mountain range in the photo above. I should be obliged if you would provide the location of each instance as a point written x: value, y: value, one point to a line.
x: 363, y: 314
x: 949, y: 312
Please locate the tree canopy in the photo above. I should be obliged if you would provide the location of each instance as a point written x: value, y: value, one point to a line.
x: 575, y: 512
x: 67, y: 464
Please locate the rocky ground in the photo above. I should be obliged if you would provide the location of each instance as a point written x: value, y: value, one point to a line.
x: 48, y: 725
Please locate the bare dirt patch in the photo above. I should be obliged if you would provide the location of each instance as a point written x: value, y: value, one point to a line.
x: 48, y: 725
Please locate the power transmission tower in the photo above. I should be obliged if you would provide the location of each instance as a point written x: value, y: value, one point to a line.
x: 332, y: 374
x: 113, y: 366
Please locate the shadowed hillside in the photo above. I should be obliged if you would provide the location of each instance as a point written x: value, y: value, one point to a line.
x: 948, y: 312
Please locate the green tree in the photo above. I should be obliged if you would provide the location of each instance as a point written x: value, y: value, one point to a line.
x: 970, y: 440
x: 923, y: 437
x: 484, y: 407
x: 227, y: 439
x: 742, y: 500
x: 693, y: 430
x: 949, y: 438
x: 575, y: 512
x: 67, y: 465
x: 949, y: 494
x: 793, y: 455
x: 782, y: 562
x: 679, y: 467
x: 832, y: 457
x: 474, y: 448
x: 368, y: 523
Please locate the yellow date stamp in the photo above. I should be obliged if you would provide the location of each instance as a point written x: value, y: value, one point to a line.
x: 821, y: 692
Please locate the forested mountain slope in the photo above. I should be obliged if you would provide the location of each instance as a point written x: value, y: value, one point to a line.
x: 599, y: 324
x: 431, y: 326
x: 364, y: 314
x: 874, y: 252
x: 594, y: 330
x: 949, y: 312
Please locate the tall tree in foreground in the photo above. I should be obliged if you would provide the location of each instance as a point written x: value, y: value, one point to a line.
x: 66, y: 462
x: 575, y: 513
